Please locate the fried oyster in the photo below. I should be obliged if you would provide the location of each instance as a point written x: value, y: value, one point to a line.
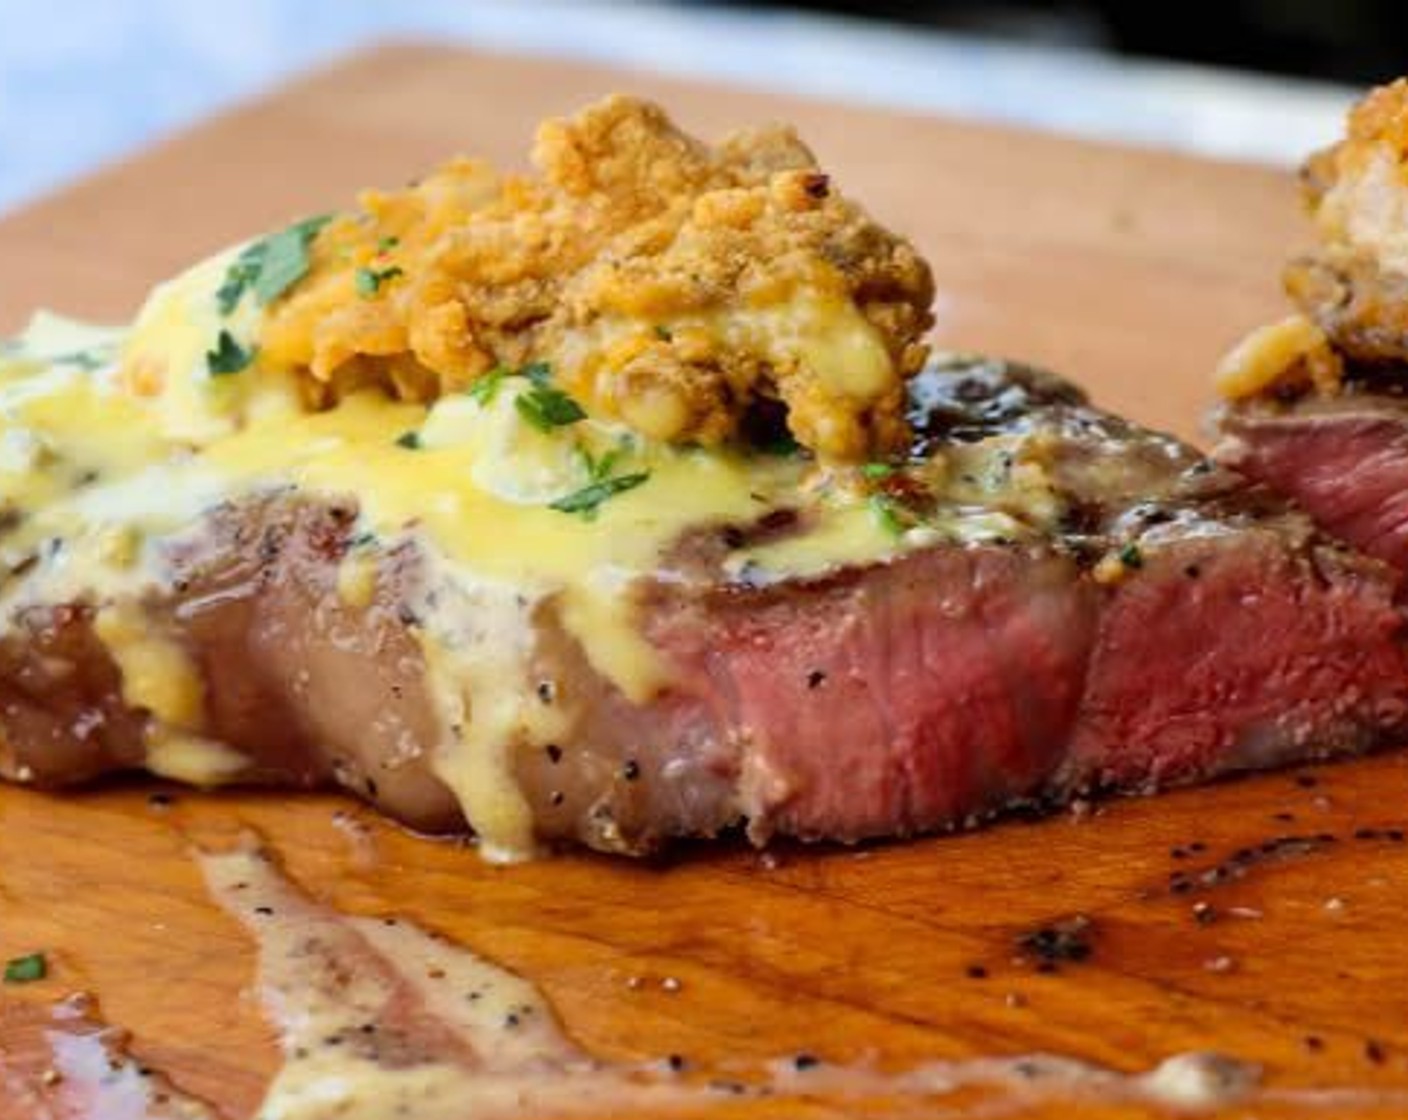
x: 1355, y: 285
x: 680, y: 288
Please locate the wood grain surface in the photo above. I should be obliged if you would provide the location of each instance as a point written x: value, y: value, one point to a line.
x: 1128, y: 270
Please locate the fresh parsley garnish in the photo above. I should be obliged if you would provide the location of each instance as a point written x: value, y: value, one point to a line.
x: 889, y: 514
x: 370, y: 280
x: 238, y: 277
x: 411, y: 440
x: 598, y: 469
x: 587, y: 501
x: 285, y: 260
x: 547, y: 408
x: 877, y: 471
x: 664, y: 333
x: 27, y: 969
x: 270, y: 266
x: 228, y: 356
x: 1131, y: 557
x: 487, y: 387
x: 543, y: 406
x: 386, y: 244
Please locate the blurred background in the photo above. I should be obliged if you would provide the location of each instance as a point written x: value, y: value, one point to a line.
x: 84, y: 81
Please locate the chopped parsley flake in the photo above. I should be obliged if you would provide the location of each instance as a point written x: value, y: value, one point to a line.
x: 599, y: 469
x: 228, y: 356
x: 542, y: 405
x: 547, y: 408
x: 270, y: 266
x: 487, y: 387
x: 664, y: 333
x: 877, y: 471
x: 386, y: 244
x: 25, y: 970
x: 587, y: 501
x: 285, y: 260
x: 411, y: 440
x: 238, y: 277
x: 888, y: 512
x: 1131, y: 557
x: 370, y: 280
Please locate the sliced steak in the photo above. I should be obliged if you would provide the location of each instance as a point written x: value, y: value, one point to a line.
x: 1344, y: 459
x: 1182, y: 624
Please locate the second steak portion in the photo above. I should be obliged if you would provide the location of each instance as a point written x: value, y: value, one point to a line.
x: 1317, y: 404
x: 1343, y: 459
x: 1180, y: 624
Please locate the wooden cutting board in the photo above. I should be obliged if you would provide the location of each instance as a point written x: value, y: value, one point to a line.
x: 1129, y: 270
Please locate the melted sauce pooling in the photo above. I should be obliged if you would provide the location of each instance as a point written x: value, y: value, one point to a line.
x: 379, y: 1018
x: 61, y: 1062
x: 377, y: 1015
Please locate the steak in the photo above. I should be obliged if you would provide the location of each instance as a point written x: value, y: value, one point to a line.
x: 1182, y: 623
x: 1316, y: 404
x: 1343, y: 459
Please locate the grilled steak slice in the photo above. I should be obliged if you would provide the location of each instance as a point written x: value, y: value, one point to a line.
x: 1344, y: 459
x: 1181, y: 624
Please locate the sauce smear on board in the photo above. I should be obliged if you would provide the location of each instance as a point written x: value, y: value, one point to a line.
x: 380, y: 1018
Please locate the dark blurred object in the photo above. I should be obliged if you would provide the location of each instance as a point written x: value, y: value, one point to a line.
x: 1359, y: 41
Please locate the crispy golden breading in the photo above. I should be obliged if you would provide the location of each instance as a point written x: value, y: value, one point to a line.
x: 671, y: 285
x: 1289, y: 357
x: 1355, y: 285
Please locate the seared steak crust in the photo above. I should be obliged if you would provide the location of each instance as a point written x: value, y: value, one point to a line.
x: 1182, y: 624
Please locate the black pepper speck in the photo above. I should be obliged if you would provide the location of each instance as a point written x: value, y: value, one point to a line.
x: 1067, y: 940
